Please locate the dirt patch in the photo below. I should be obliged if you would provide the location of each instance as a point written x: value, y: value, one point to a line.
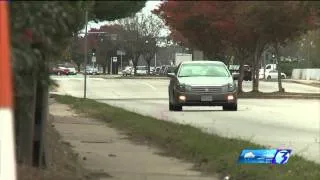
x: 62, y: 163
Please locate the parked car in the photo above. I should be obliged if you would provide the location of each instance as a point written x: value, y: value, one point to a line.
x: 273, y: 74
x: 152, y: 70
x: 235, y: 71
x: 91, y: 70
x: 128, y: 70
x: 72, y: 71
x: 170, y: 69
x: 157, y: 71
x: 202, y: 83
x: 163, y: 70
x: 142, y: 70
x: 59, y: 71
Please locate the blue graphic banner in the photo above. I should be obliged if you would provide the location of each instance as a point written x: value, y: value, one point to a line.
x: 264, y: 156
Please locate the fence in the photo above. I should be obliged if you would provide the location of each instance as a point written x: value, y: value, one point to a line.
x: 306, y: 74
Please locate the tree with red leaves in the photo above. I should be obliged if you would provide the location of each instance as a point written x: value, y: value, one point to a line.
x: 248, y: 27
x: 216, y: 27
x: 198, y: 24
x: 275, y: 23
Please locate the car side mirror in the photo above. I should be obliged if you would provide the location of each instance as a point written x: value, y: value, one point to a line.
x: 171, y: 75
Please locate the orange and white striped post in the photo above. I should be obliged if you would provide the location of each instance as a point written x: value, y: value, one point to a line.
x: 7, y: 143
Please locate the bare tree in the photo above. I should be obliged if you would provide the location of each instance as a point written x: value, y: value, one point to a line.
x: 141, y: 37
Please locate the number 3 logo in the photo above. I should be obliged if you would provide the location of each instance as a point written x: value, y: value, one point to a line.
x: 281, y: 157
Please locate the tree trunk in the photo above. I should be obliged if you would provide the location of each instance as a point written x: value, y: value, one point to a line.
x: 104, y: 69
x: 276, y: 48
x: 78, y: 67
x: 228, y: 61
x: 135, y: 63
x: 25, y: 119
x: 148, y: 66
x: 255, y: 80
x: 240, y: 78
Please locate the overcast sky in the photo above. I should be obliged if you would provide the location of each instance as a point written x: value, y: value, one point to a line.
x: 150, y: 5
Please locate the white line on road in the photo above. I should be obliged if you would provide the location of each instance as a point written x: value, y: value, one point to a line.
x: 149, y: 85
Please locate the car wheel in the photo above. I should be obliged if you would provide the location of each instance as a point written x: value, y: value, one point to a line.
x: 282, y: 77
x: 269, y: 77
x: 230, y: 107
x: 171, y: 107
x: 174, y: 107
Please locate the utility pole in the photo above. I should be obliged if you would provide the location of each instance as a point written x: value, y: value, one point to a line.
x: 155, y: 60
x: 111, y: 65
x: 85, y: 55
x: 86, y: 52
x: 121, y: 61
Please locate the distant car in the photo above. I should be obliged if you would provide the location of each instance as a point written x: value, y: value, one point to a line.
x: 128, y: 70
x: 72, y: 71
x: 163, y: 70
x: 152, y: 70
x: 235, y: 71
x: 273, y: 74
x: 202, y: 83
x: 59, y: 71
x: 170, y: 69
x: 91, y: 70
x: 157, y: 71
x: 142, y: 70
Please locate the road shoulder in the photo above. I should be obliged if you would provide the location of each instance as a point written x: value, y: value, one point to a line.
x: 110, y: 154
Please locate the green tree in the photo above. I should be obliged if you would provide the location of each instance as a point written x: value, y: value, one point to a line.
x: 40, y: 32
x: 76, y: 49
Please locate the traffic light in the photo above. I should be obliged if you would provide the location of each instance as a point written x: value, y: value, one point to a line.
x: 93, y: 51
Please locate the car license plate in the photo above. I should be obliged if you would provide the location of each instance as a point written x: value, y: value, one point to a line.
x: 206, y: 98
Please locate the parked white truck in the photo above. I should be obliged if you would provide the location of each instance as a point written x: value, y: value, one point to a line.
x: 268, y: 68
x: 181, y: 57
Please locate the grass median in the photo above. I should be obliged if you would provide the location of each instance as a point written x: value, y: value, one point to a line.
x: 210, y: 153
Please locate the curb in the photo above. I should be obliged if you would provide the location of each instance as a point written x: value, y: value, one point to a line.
x: 313, y: 84
x: 279, y: 97
x: 135, y: 77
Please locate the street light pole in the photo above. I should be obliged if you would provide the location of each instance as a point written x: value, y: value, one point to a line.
x: 85, y: 55
x: 121, y: 60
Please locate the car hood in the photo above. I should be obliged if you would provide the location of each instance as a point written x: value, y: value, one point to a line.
x: 205, y: 81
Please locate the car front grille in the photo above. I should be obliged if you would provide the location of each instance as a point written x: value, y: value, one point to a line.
x: 206, y: 89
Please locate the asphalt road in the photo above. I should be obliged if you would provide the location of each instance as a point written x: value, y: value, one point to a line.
x: 277, y: 123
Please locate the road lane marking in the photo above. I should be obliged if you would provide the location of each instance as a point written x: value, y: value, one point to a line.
x: 149, y: 85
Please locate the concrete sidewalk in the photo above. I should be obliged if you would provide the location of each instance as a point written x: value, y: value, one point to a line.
x: 306, y: 82
x: 112, y: 156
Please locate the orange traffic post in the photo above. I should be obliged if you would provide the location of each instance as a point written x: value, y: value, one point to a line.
x: 7, y: 143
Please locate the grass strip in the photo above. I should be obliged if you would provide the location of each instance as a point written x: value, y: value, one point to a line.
x: 210, y: 153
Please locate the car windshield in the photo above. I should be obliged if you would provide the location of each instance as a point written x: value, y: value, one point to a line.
x: 203, y: 69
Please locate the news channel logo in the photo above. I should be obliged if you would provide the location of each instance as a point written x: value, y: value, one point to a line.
x: 264, y: 156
